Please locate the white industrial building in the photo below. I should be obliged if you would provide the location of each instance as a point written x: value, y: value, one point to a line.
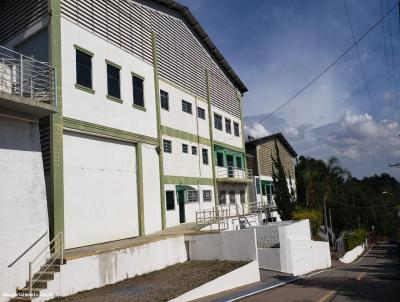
x: 148, y: 128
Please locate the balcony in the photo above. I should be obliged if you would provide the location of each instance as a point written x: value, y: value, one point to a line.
x: 27, y: 86
x: 232, y: 174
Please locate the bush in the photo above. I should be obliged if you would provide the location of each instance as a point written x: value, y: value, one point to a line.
x: 353, y: 239
x: 314, y: 216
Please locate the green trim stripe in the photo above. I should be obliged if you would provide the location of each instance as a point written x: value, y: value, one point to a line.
x: 185, y: 135
x: 160, y: 156
x: 139, y: 182
x: 183, y: 180
x: 113, y: 133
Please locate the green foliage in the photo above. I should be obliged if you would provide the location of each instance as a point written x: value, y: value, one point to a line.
x: 284, y: 198
x: 354, y: 238
x: 353, y: 203
x: 314, y: 216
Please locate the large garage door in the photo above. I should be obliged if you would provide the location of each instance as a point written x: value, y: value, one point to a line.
x: 100, y: 193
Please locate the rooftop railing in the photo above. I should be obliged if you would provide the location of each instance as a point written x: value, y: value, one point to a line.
x: 26, y: 77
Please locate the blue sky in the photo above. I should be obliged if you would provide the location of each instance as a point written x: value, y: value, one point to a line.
x: 276, y: 47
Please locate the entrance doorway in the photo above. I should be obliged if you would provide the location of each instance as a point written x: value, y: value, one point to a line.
x: 181, y: 203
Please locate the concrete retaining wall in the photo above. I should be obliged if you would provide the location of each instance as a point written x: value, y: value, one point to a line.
x: 110, y: 267
x: 269, y: 258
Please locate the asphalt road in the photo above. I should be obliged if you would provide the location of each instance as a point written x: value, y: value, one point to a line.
x: 375, y: 277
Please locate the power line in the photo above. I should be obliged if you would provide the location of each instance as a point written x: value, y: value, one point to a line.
x: 326, y: 69
x: 364, y: 76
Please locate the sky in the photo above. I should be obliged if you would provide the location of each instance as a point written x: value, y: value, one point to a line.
x: 277, y: 47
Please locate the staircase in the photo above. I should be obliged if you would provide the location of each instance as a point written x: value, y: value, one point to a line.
x: 42, y: 270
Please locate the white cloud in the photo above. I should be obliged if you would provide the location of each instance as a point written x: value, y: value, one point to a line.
x: 256, y: 131
x: 290, y: 131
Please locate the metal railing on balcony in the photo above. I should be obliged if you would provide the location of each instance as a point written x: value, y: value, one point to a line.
x: 24, y: 76
x: 235, y: 173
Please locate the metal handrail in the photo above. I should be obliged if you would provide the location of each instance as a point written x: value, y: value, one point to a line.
x: 56, y: 251
x: 233, y: 172
x: 27, y: 250
x: 27, y: 77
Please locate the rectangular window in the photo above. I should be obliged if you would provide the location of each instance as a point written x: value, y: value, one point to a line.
x: 264, y: 192
x: 138, y: 95
x: 206, y: 195
x: 220, y: 159
x: 113, y: 81
x: 185, y: 148
x: 83, y: 69
x: 204, y: 153
x: 164, y: 99
x: 239, y: 162
x: 231, y: 197
x: 170, y: 200
x: 167, y: 145
x: 217, y: 121
x: 242, y: 197
x: 194, y: 150
x: 258, y: 185
x: 236, y: 128
x: 228, y: 127
x: 222, y: 197
x: 201, y: 113
x: 186, y: 107
x: 193, y: 196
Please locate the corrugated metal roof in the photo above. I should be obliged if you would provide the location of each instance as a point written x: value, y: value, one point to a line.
x: 198, y: 29
x: 267, y: 138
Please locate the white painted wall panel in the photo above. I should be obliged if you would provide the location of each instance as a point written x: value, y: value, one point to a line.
x: 100, y: 190
x: 151, y: 188
x: 22, y: 200
x: 221, y: 135
x: 177, y: 119
x: 96, y: 108
x: 178, y: 163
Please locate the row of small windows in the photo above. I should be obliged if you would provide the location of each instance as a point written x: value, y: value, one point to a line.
x: 228, y: 125
x: 222, y: 197
x: 192, y: 196
x: 167, y: 148
x: 84, y: 78
x: 229, y: 161
x: 186, y: 106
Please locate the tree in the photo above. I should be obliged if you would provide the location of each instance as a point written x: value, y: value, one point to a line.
x: 284, y: 198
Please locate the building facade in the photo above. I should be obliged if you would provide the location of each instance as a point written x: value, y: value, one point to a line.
x: 259, y: 153
x: 148, y: 128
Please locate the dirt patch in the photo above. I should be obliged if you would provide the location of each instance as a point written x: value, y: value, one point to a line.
x: 161, y: 285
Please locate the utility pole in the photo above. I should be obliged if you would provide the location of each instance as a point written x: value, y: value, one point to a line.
x: 330, y: 220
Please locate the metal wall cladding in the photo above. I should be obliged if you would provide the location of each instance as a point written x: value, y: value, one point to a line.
x: 182, y: 58
x: 18, y: 15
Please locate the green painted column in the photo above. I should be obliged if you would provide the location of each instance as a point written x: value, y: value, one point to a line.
x: 139, y: 182
x: 244, y: 146
x: 159, y: 135
x: 56, y: 124
x: 210, y: 125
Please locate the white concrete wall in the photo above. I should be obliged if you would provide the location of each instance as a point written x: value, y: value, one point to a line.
x: 244, y: 275
x: 22, y: 199
x: 298, y: 253
x: 96, y: 108
x: 151, y: 189
x: 177, y: 119
x: 352, y: 255
x: 221, y: 135
x: 269, y: 258
x: 178, y: 163
x: 231, y: 245
x: 110, y: 267
x: 100, y: 190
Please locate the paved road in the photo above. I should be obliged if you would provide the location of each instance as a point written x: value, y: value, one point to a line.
x: 375, y: 277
